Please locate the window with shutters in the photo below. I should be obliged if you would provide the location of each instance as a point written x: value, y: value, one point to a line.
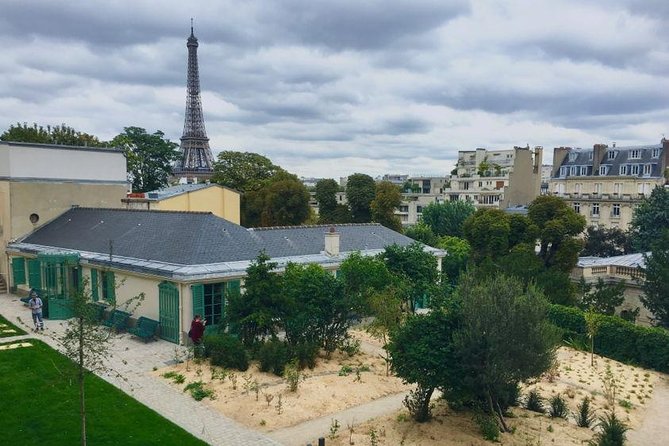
x: 213, y: 302
x: 108, y: 286
x: 19, y: 270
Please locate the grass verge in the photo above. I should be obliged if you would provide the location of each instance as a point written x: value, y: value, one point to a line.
x: 39, y: 405
x: 7, y: 329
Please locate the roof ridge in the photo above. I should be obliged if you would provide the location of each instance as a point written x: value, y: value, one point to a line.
x: 154, y: 211
x: 270, y: 228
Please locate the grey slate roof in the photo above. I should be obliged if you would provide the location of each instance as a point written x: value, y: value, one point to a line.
x: 622, y: 157
x: 173, y: 191
x: 630, y: 260
x: 194, y: 238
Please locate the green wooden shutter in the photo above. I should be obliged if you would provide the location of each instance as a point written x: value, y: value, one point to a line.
x: 197, y: 291
x: 94, y: 285
x: 234, y: 286
x: 111, y: 288
x: 34, y: 274
x: 19, y: 270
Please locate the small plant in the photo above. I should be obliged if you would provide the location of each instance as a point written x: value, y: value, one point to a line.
x: 292, y: 376
x: 255, y: 388
x: 233, y: 380
x: 625, y: 404
x: 169, y: 375
x: 487, y: 426
x: 198, y: 391
x: 155, y: 368
x: 558, y: 407
x: 345, y: 370
x: 334, y: 428
x: 351, y: 347
x: 534, y: 402
x: 248, y: 379
x: 268, y: 398
x: 350, y: 426
x: 178, y: 378
x: 358, y: 377
x: 373, y: 437
x: 585, y: 416
x: 550, y: 428
x: 610, y: 386
x: 263, y: 422
x: 218, y: 373
x: 612, y: 431
x: 279, y: 405
x: 553, y: 372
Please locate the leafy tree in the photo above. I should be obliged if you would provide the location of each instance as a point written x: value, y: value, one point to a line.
x: 656, y: 283
x: 253, y: 316
x: 414, y: 266
x: 243, y: 171
x: 386, y: 306
x: 503, y: 338
x: 421, y: 233
x: 651, y: 218
x: 604, y: 298
x: 363, y: 276
x: 61, y: 134
x: 318, y: 310
x: 557, y: 286
x: 360, y: 191
x: 386, y: 200
x: 341, y: 214
x: 458, y: 255
x: 149, y: 157
x: 422, y: 353
x: 488, y: 231
x: 280, y: 201
x: 606, y: 242
x: 558, y: 225
x: 522, y: 263
x: 447, y: 218
x: 326, y: 195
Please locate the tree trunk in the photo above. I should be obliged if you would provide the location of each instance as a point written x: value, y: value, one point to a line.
x: 425, y: 406
x: 82, y: 376
x: 500, y: 416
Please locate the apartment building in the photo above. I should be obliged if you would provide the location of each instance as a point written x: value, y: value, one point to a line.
x: 604, y: 184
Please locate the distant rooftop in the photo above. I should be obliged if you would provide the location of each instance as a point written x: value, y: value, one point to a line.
x: 630, y: 260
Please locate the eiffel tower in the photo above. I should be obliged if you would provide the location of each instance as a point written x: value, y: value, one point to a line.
x: 196, y: 162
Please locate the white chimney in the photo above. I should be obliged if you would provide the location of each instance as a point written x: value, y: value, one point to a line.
x: 332, y: 242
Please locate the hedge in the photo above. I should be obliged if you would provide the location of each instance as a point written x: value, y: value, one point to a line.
x: 617, y: 338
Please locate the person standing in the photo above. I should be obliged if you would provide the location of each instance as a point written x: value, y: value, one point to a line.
x: 197, y: 329
x: 35, y: 304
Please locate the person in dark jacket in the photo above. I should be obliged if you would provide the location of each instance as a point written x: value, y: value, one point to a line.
x: 197, y: 329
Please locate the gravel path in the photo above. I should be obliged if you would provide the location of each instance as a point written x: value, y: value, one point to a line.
x: 653, y: 429
x: 134, y: 359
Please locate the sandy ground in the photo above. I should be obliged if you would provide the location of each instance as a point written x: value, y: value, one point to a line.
x: 325, y: 394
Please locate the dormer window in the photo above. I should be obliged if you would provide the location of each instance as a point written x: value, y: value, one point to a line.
x: 572, y: 157
x: 656, y: 153
x: 647, y: 169
x: 563, y: 172
x: 611, y: 155
x: 584, y: 170
x: 635, y: 154
x: 634, y: 169
x: 590, y: 156
x: 572, y: 170
x: 623, y: 169
x: 603, y: 170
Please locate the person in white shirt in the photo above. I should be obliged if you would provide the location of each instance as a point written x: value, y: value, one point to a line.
x: 35, y: 304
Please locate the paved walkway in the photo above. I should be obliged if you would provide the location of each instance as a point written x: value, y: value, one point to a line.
x: 134, y: 359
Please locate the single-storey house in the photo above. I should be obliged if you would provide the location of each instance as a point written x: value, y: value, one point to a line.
x: 183, y: 262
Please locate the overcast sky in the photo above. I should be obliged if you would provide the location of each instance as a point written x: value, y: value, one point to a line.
x: 329, y: 88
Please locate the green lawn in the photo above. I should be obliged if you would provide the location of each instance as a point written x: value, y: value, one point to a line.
x: 6, y: 325
x: 39, y: 406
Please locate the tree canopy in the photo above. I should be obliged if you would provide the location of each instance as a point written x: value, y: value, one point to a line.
x: 282, y: 200
x: 326, y: 195
x: 606, y: 242
x: 387, y: 198
x: 149, y: 157
x: 656, y: 283
x: 360, y: 191
x: 447, y: 218
x: 651, y: 218
x: 58, y: 134
x: 422, y: 233
x: 243, y: 171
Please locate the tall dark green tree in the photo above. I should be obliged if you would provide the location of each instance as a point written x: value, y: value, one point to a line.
x: 149, y: 157
x: 326, y: 195
x: 651, y: 218
x: 58, y: 134
x: 416, y: 268
x: 360, y: 191
x: 606, y: 242
x: 422, y: 233
x: 243, y: 171
x: 386, y: 200
x: 282, y: 200
x: 253, y: 316
x: 488, y: 232
x: 447, y: 218
x: 656, y: 283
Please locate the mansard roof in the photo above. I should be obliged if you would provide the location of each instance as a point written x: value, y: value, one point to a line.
x: 623, y: 156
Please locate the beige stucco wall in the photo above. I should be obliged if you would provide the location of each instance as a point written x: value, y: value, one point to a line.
x: 220, y: 201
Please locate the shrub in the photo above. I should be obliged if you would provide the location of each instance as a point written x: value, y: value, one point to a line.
x: 350, y: 346
x: 558, y: 407
x: 198, y: 392
x: 612, y: 431
x: 487, y: 426
x: 345, y: 370
x: 291, y: 374
x: 534, y: 402
x: 418, y: 404
x: 226, y: 350
x: 616, y: 338
x: 273, y: 356
x: 305, y: 353
x: 585, y: 416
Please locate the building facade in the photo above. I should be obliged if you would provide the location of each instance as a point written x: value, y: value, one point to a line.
x: 38, y: 182
x: 604, y: 184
